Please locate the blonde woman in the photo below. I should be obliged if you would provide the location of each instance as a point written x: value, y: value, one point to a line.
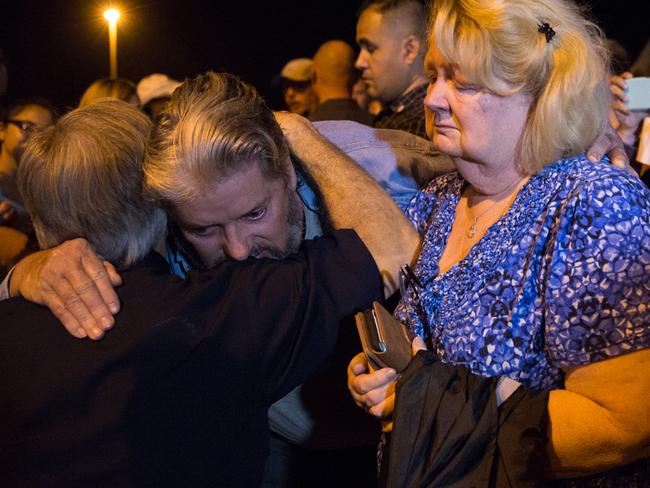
x: 535, y: 263
x: 119, y: 88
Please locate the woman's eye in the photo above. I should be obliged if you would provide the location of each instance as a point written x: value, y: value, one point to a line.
x: 466, y: 87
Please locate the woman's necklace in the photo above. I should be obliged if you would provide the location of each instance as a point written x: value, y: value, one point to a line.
x: 471, y: 232
x: 472, y: 228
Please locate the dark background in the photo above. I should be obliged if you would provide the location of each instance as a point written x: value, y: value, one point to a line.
x: 57, y: 48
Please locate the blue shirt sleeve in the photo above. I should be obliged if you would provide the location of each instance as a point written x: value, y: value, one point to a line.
x: 392, y: 157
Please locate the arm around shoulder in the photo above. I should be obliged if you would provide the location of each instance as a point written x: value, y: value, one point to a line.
x: 74, y: 283
x: 353, y: 199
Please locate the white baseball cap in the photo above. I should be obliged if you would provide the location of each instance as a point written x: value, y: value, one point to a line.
x: 156, y: 85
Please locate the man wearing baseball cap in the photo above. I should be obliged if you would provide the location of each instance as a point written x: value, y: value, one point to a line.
x: 295, y: 78
x: 154, y: 92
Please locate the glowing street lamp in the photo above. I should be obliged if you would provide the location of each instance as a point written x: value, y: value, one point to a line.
x: 111, y: 15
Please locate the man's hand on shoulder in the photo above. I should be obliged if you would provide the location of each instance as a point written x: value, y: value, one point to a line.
x: 74, y: 283
x: 291, y: 123
x: 299, y: 133
x: 609, y: 143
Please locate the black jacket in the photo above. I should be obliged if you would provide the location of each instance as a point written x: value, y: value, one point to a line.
x: 177, y: 393
x: 449, y: 432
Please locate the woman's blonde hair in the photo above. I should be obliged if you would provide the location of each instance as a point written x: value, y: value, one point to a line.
x: 118, y: 88
x: 563, y: 69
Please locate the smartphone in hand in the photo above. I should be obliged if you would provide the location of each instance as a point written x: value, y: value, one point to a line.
x: 638, y: 93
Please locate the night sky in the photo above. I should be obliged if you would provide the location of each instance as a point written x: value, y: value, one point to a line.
x: 57, y: 48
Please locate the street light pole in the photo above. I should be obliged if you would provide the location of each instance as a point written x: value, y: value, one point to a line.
x: 111, y: 15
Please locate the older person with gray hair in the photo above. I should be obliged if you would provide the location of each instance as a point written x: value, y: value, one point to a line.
x: 178, y: 393
x: 95, y: 154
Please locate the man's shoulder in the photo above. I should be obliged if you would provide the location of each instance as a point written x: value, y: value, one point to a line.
x: 142, y: 283
x: 399, y: 161
x: 17, y: 312
x: 377, y: 148
x: 406, y: 113
x: 350, y: 136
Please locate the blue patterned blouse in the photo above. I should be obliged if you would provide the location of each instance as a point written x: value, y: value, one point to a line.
x: 563, y: 278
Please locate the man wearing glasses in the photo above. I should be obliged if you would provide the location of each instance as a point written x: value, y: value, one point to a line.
x: 21, y: 119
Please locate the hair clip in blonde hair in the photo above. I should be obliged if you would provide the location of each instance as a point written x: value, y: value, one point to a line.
x: 547, y: 30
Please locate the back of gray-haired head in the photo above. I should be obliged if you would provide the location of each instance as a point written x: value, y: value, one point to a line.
x: 214, y: 125
x: 83, y: 177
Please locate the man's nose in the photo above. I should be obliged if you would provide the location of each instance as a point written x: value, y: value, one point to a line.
x: 236, y: 246
x: 360, y: 62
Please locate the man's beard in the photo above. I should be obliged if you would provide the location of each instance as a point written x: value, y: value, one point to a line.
x: 295, y: 231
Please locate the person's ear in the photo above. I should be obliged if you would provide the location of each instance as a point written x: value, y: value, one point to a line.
x: 411, y: 47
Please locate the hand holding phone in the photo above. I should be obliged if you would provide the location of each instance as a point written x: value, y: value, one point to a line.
x: 638, y: 93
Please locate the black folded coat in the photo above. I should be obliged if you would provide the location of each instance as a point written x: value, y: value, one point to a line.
x: 449, y: 432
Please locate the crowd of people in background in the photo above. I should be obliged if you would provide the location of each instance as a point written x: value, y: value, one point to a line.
x: 382, y: 85
x: 472, y: 178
